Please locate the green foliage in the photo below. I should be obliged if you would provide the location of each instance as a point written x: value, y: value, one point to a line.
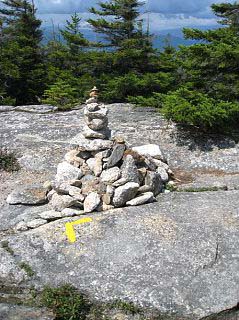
x: 66, y: 302
x: 128, y: 307
x: 194, y: 108
x: 5, y: 246
x: 60, y: 94
x: 154, y: 101
x: 8, y: 161
x: 22, y: 71
x: 72, y: 35
x: 27, y: 268
x: 124, y: 88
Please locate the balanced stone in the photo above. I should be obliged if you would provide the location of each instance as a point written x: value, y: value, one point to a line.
x: 144, y: 198
x: 116, y: 156
x: 152, y: 150
x: 96, y: 124
x: 129, y: 170
x: 111, y: 175
x: 92, y: 201
x: 59, y: 202
x: 89, y: 133
x: 154, y: 181
x: 93, y: 145
x: 125, y: 193
x: 67, y: 172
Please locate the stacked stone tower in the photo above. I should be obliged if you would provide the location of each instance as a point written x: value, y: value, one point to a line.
x: 102, y: 172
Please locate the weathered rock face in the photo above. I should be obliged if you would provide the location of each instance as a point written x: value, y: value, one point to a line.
x: 176, y: 274
x: 177, y: 255
x: 32, y: 195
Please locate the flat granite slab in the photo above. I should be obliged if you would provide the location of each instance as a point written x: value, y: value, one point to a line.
x: 178, y: 256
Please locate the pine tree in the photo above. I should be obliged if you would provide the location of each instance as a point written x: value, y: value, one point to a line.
x: 21, y: 49
x: 122, y: 21
x: 74, y: 38
x: 229, y: 12
x: 122, y: 28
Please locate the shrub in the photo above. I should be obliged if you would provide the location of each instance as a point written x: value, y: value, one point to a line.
x: 154, y: 101
x: 194, y: 108
x: 66, y: 302
x: 60, y: 94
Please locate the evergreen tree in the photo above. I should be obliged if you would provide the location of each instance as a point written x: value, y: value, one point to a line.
x: 21, y: 52
x: 122, y: 28
x: 229, y: 12
x: 73, y: 37
x: 122, y: 23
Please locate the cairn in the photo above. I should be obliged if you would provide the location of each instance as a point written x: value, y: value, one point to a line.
x: 102, y: 172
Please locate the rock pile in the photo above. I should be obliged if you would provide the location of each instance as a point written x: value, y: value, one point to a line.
x: 102, y: 173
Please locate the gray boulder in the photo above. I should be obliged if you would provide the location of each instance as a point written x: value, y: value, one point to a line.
x: 152, y: 150
x: 142, y: 199
x: 116, y: 156
x: 129, y: 170
x: 110, y: 175
x: 91, y: 202
x: 31, y: 195
x: 125, y: 193
x: 67, y: 172
x: 154, y: 181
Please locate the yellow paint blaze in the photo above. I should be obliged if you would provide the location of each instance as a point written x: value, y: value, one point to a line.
x: 70, y: 232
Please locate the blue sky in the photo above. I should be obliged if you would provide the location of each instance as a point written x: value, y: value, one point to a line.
x: 163, y: 14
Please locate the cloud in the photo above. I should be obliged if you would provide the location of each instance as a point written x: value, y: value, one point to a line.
x: 63, y: 6
x: 190, y: 7
x: 163, y: 14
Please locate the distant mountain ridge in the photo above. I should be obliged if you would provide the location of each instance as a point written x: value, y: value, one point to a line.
x: 174, y: 37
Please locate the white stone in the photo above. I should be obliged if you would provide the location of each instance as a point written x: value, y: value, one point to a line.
x: 160, y: 164
x: 91, y: 163
x: 36, y: 223
x: 69, y: 212
x: 91, y: 145
x: 152, y: 150
x: 76, y: 193
x: 67, y: 172
x: 163, y: 174
x: 89, y: 133
x: 110, y: 175
x: 73, y: 158
x: 125, y: 193
x: 50, y: 215
x: 60, y: 202
x: 92, y: 201
x: 142, y: 199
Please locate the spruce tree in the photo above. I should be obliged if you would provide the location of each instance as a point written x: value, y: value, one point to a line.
x: 21, y: 51
x: 122, y: 28
x: 74, y: 38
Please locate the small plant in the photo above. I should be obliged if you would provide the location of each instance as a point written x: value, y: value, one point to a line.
x: 27, y: 268
x: 128, y: 307
x: 5, y: 246
x: 8, y: 161
x: 66, y: 302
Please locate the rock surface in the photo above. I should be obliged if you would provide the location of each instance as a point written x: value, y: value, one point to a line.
x: 15, y: 312
x: 199, y: 162
x: 32, y: 195
x: 177, y: 255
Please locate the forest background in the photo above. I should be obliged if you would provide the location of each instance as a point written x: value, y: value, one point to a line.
x: 196, y: 85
